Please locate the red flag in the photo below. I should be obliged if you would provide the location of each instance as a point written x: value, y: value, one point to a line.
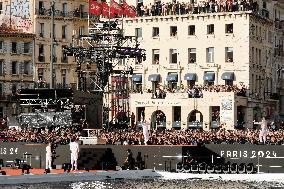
x: 94, y: 7
x: 105, y: 9
x: 115, y: 8
x: 125, y: 8
x: 128, y: 11
x: 132, y: 12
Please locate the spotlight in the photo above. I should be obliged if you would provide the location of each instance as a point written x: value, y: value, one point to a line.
x: 194, y: 168
x: 226, y: 167
x: 210, y: 168
x: 234, y: 168
x: 26, y: 167
x: 242, y: 168
x: 250, y: 168
x: 202, y: 167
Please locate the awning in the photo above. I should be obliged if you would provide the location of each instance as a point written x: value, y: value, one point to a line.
x: 228, y: 76
x: 154, y: 77
x: 172, y: 77
x: 137, y: 78
x: 209, y: 76
x: 190, y: 77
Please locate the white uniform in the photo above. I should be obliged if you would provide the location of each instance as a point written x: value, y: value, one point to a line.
x: 48, y: 157
x: 263, y: 132
x: 145, y: 132
x: 74, y: 148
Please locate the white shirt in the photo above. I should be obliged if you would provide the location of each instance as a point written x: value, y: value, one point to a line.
x: 74, y: 147
x: 48, y: 151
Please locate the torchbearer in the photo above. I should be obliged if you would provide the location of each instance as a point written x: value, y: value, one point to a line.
x: 263, y: 130
x: 74, y: 148
x: 48, y: 156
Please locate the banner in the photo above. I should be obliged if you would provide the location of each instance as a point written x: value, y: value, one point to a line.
x: 94, y: 7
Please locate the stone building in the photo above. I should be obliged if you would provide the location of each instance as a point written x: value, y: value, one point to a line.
x: 207, y: 68
x: 16, y: 67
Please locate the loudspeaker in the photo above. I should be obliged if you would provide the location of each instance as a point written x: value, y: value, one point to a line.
x: 26, y: 167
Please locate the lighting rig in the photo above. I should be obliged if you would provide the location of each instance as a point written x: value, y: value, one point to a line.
x: 106, y: 47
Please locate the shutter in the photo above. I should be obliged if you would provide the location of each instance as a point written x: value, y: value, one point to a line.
x: 4, y: 67
x: 7, y: 46
x: 21, y: 67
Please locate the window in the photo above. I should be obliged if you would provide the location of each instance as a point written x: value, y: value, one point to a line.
x: 41, y: 53
x: 41, y: 29
x: 229, y: 28
x: 15, y: 67
x: 191, y: 30
x: 81, y: 30
x: 14, y: 47
x: 229, y: 82
x: 229, y: 54
x: 40, y: 5
x: 210, y: 29
x: 192, y: 55
x: 64, y: 9
x: 40, y: 74
x: 173, y: 56
x: 63, y: 75
x: 138, y: 32
x: 156, y: 56
x: 1, y: 45
x: 173, y: 31
x: 252, y: 54
x: 1, y: 67
x: 64, y: 58
x: 1, y: 7
x: 64, y: 30
x: 27, y: 66
x: 156, y: 32
x: 27, y: 46
x: 210, y: 55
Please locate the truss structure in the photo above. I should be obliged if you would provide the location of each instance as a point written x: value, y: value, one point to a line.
x: 104, y: 46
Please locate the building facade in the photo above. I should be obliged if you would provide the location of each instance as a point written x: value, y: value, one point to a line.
x: 207, y: 68
x: 16, y: 67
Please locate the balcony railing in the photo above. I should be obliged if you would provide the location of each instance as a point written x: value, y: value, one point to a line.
x: 60, y: 13
x: 65, y: 86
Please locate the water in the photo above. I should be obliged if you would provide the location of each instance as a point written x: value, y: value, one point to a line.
x: 153, y: 184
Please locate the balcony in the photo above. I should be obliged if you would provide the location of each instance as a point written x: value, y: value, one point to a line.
x: 59, y: 13
x: 65, y: 86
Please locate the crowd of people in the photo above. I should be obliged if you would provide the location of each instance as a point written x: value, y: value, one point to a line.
x: 191, y: 137
x: 55, y: 135
x: 268, y: 134
x: 197, y: 91
x: 206, y: 6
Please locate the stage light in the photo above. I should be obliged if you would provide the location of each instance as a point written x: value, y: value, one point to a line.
x: 179, y: 167
x: 242, y: 168
x: 250, y: 168
x: 187, y: 168
x: 202, y: 167
x: 234, y: 168
x: 226, y: 167
x: 210, y: 168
